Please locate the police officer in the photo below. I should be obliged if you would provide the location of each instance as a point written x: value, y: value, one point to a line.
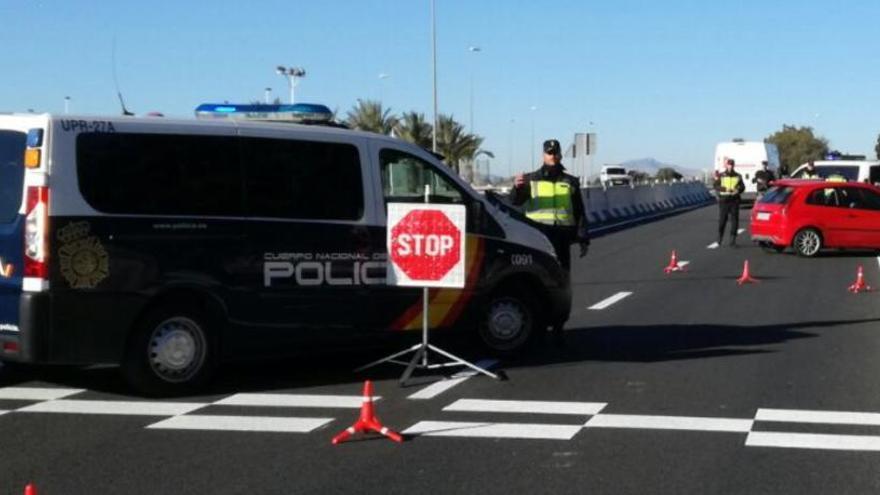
x: 729, y: 186
x: 553, y: 199
x: 763, y: 178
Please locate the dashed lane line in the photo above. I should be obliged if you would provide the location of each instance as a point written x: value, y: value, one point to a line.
x: 294, y: 400
x: 682, y: 264
x: 37, y: 393
x: 526, y: 406
x: 123, y: 408
x: 691, y: 423
x: 740, y: 231
x: 714, y: 245
x: 438, y: 388
x: 530, y: 431
x: 241, y: 423
x: 813, y: 441
x: 609, y: 301
x: 824, y: 417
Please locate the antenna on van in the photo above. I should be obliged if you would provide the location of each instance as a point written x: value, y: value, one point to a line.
x: 116, y: 80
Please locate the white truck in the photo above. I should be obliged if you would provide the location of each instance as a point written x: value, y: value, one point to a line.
x: 614, y: 175
x: 747, y: 156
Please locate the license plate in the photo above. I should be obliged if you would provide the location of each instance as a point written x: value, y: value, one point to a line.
x: 763, y: 216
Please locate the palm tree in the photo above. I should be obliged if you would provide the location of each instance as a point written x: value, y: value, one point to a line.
x: 368, y: 115
x: 412, y: 127
x: 454, y: 143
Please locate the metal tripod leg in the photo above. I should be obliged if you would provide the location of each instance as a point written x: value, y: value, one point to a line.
x: 463, y: 362
x: 420, y: 355
x: 389, y: 358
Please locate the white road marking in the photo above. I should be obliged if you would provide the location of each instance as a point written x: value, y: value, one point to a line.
x: 682, y: 264
x: 878, y: 261
x: 692, y: 423
x: 611, y: 300
x: 825, y: 417
x: 526, y: 406
x: 438, y: 388
x: 493, y: 430
x: 294, y: 400
x: 241, y: 423
x: 125, y: 408
x: 813, y: 441
x: 714, y: 245
x: 740, y: 231
x: 36, y: 393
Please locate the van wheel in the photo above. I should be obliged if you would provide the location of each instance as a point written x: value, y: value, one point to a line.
x: 508, y: 322
x: 171, y: 352
x: 807, y: 242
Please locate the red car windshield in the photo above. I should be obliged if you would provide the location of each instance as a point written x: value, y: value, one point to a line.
x: 777, y: 195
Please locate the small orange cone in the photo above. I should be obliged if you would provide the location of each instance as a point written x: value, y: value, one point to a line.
x: 30, y: 489
x: 368, y: 421
x: 859, y: 284
x: 673, y: 264
x: 746, y: 277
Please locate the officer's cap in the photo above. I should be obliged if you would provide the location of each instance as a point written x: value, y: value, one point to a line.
x: 551, y: 147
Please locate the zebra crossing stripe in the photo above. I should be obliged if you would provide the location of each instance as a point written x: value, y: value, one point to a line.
x: 813, y: 441
x: 37, y: 393
x: 123, y: 408
x: 526, y: 406
x: 294, y: 400
x: 692, y: 423
x: 241, y: 423
x: 531, y: 431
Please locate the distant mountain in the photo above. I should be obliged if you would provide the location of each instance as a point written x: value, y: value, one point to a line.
x: 652, y: 165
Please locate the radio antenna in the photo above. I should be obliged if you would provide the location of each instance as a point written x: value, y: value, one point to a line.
x: 116, y: 80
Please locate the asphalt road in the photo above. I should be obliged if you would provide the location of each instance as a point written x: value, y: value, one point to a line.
x: 689, y: 384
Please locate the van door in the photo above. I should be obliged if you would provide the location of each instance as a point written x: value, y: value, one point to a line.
x: 309, y: 227
x: 12, y: 148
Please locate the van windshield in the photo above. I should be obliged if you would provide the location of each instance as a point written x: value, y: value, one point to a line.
x: 12, y: 147
x: 850, y: 172
x: 615, y: 171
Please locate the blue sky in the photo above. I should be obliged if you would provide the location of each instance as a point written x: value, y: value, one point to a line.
x: 662, y: 79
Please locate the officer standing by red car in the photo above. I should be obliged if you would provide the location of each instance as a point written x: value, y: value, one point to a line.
x: 729, y: 186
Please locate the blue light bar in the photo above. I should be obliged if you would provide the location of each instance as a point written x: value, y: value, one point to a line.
x: 298, y: 113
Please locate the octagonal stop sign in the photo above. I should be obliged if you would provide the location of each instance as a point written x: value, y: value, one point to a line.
x: 426, y: 245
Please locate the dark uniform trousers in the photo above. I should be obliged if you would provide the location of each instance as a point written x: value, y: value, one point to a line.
x: 728, y: 208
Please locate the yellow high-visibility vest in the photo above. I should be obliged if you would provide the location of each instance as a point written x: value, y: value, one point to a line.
x: 550, y: 203
x: 729, y: 185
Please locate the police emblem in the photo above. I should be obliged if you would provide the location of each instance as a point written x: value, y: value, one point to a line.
x: 84, y: 261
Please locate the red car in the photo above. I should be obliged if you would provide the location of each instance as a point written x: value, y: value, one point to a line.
x: 809, y: 215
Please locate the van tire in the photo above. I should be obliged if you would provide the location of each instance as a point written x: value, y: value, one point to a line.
x: 508, y: 321
x: 807, y: 242
x: 171, y: 352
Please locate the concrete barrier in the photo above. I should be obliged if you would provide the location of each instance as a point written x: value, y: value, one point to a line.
x: 620, y: 205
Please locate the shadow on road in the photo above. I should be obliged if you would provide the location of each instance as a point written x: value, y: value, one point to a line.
x: 613, y: 343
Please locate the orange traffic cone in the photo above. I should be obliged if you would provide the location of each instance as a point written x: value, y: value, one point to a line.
x: 367, y: 421
x: 746, y: 277
x: 859, y: 284
x: 30, y: 489
x: 673, y: 264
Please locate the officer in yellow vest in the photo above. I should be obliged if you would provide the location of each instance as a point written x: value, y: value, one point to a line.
x: 729, y: 186
x: 810, y: 172
x: 553, y: 199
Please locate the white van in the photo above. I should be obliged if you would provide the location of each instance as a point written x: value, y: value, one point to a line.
x: 867, y: 171
x: 169, y: 246
x: 614, y: 175
x: 748, y: 156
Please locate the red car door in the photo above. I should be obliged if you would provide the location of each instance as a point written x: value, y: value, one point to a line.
x: 822, y: 209
x: 870, y: 209
x: 854, y: 217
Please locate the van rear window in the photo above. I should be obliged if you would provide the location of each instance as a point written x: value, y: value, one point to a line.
x: 12, y: 147
x: 160, y: 174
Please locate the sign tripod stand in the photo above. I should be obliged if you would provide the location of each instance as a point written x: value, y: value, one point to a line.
x: 421, y: 350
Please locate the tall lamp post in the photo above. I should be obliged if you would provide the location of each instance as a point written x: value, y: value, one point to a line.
x: 266, y: 95
x: 66, y: 105
x: 434, y: 70
x: 474, y: 50
x: 293, y: 74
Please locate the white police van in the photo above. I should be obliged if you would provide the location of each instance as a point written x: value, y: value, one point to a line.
x: 170, y: 246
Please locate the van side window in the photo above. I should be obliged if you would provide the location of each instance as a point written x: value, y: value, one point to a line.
x: 405, y: 176
x: 303, y: 179
x: 12, y: 147
x: 874, y: 175
x: 160, y: 174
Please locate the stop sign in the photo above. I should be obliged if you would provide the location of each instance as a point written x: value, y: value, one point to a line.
x: 426, y: 245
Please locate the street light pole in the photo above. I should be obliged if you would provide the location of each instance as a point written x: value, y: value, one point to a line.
x: 434, y: 70
x: 66, y: 105
x: 293, y: 74
x: 266, y: 96
x: 475, y: 50
x: 534, y: 158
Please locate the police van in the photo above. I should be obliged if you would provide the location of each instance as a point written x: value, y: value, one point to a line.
x: 171, y: 246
